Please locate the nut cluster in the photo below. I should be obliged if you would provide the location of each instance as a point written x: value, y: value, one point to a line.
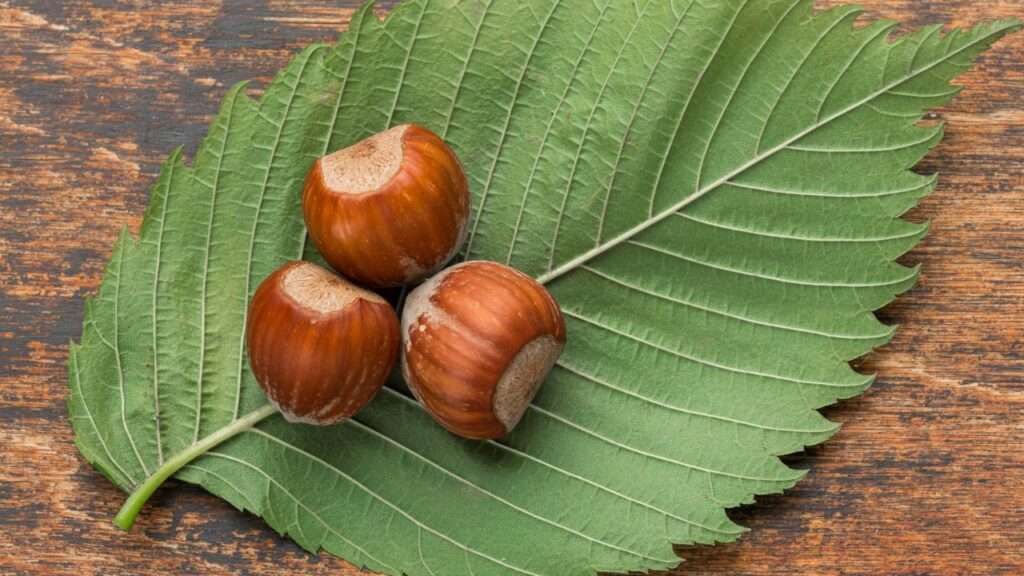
x: 477, y: 340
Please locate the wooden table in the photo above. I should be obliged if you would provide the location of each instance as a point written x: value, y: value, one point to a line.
x: 926, y: 477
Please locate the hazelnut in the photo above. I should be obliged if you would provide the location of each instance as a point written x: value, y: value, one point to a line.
x: 319, y: 346
x: 478, y: 339
x: 389, y: 210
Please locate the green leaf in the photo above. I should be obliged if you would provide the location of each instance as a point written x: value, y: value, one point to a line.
x: 712, y: 190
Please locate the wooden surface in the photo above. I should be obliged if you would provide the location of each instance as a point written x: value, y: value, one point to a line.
x: 926, y: 477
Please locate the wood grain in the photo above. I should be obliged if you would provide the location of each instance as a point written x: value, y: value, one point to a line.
x: 926, y: 477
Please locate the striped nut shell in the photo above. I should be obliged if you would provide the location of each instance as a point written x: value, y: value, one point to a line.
x: 478, y: 340
x: 389, y: 210
x: 319, y: 346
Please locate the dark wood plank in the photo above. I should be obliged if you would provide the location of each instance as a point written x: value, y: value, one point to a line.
x: 926, y: 477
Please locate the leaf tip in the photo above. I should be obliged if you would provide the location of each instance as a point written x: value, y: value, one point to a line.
x: 176, y: 155
x: 831, y: 427
x: 237, y: 89
x: 1011, y: 25
x: 797, y: 475
x: 362, y: 11
x: 923, y: 230
x: 124, y: 235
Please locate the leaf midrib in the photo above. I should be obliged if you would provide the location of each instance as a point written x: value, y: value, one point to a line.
x: 573, y: 264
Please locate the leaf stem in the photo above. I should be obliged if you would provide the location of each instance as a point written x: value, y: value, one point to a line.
x: 137, y: 499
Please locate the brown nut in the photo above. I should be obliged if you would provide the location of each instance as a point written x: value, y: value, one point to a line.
x: 389, y: 210
x: 478, y: 340
x: 319, y: 346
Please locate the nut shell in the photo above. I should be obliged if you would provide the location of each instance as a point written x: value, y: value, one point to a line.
x: 319, y: 346
x: 389, y: 210
x: 478, y: 340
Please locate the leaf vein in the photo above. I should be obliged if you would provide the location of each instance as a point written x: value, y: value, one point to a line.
x: 797, y: 237
x: 603, y: 383
x: 156, y: 291
x: 547, y: 132
x: 761, y: 157
x: 255, y: 223
x: 508, y: 122
x: 527, y: 456
x: 586, y: 130
x: 465, y: 67
x: 299, y: 502
x: 504, y: 501
x: 213, y: 186
x: 745, y: 319
x: 699, y: 360
x: 92, y: 421
x: 769, y: 277
x: 653, y: 456
x: 117, y: 354
x: 389, y: 504
x: 758, y: 52
x: 405, y: 64
x: 617, y: 163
